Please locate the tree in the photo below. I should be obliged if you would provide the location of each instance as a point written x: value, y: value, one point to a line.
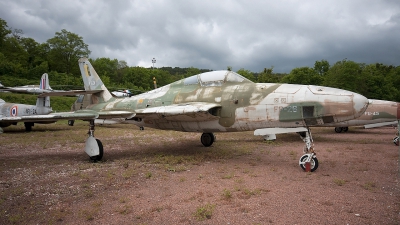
x: 247, y: 73
x: 4, y: 31
x: 65, y: 50
x: 321, y: 67
x: 267, y: 76
x: 303, y: 75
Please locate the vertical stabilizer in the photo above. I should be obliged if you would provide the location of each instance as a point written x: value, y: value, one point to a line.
x: 92, y: 81
x: 43, y: 103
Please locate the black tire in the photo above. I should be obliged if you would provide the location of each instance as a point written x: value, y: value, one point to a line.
x: 338, y: 129
x: 28, y: 126
x: 101, y: 151
x: 345, y: 129
x: 71, y: 122
x: 207, y: 139
x: 314, y: 163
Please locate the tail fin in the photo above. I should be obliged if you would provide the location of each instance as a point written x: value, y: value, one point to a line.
x: 43, y: 103
x: 92, y: 81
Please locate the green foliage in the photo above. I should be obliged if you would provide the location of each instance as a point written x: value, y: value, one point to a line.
x: 65, y: 50
x: 303, y: 75
x: 267, y: 76
x: 248, y: 74
x: 23, y: 61
x: 204, y: 212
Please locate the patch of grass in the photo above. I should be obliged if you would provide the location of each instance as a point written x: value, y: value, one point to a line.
x: 339, y: 182
x: 204, y: 212
x: 125, y: 210
x: 226, y: 194
x: 370, y: 186
x: 228, y: 176
x: 148, y: 175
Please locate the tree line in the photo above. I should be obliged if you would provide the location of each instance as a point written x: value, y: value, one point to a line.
x: 23, y: 61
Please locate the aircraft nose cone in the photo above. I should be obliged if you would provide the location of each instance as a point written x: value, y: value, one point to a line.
x: 360, y: 104
x: 398, y: 111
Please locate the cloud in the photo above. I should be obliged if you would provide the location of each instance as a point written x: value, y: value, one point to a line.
x: 213, y: 35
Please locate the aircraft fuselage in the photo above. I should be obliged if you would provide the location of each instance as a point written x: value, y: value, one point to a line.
x: 236, y: 104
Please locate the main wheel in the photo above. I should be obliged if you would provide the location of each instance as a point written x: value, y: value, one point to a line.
x: 314, y: 163
x: 338, y: 129
x: 28, y: 126
x: 207, y: 139
x: 71, y: 122
x: 101, y: 151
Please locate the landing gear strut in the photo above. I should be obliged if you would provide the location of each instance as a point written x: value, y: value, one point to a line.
x: 308, y: 162
x: 207, y: 139
x: 93, y: 146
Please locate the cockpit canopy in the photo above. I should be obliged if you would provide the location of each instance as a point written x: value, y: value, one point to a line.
x: 215, y: 78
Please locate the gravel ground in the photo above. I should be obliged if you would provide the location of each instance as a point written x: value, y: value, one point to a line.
x: 166, y: 177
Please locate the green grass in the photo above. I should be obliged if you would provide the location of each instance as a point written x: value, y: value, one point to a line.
x: 204, y: 212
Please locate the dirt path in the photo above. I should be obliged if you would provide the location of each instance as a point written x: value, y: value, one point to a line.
x: 165, y: 177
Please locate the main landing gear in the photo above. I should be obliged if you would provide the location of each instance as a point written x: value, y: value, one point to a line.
x: 308, y: 162
x: 207, y: 139
x: 341, y: 129
x: 93, y: 146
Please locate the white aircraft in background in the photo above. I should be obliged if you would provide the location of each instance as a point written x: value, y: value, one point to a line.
x: 43, y: 87
x: 13, y: 113
x: 122, y: 93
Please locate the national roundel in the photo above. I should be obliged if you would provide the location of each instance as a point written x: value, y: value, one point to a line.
x: 14, y: 110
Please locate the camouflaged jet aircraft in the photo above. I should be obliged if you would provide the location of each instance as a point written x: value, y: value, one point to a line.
x: 221, y: 101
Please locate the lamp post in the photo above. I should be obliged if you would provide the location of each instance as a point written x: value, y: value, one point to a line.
x: 153, y: 61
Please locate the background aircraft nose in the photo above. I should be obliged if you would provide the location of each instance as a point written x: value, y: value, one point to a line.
x: 360, y: 104
x: 398, y: 111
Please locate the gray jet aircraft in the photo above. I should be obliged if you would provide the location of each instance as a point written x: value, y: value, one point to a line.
x: 43, y: 87
x: 13, y: 113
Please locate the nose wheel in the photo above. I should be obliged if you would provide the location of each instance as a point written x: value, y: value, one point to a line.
x: 308, y: 162
x: 396, y: 140
x: 311, y: 159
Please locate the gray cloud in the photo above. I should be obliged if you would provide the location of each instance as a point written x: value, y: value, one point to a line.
x: 216, y: 34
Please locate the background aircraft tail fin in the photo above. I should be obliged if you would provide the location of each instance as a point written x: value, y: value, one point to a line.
x: 44, y: 82
x: 43, y: 103
x: 92, y: 81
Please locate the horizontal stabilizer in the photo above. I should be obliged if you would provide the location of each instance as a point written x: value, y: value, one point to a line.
x: 77, y: 115
x: 380, y: 124
x: 192, y: 112
x: 69, y: 93
x: 267, y: 131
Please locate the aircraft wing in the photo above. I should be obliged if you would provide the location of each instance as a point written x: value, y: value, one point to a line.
x: 278, y: 130
x: 77, y: 115
x: 193, y: 111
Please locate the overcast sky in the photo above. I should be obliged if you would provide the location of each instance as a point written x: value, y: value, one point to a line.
x: 211, y: 34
